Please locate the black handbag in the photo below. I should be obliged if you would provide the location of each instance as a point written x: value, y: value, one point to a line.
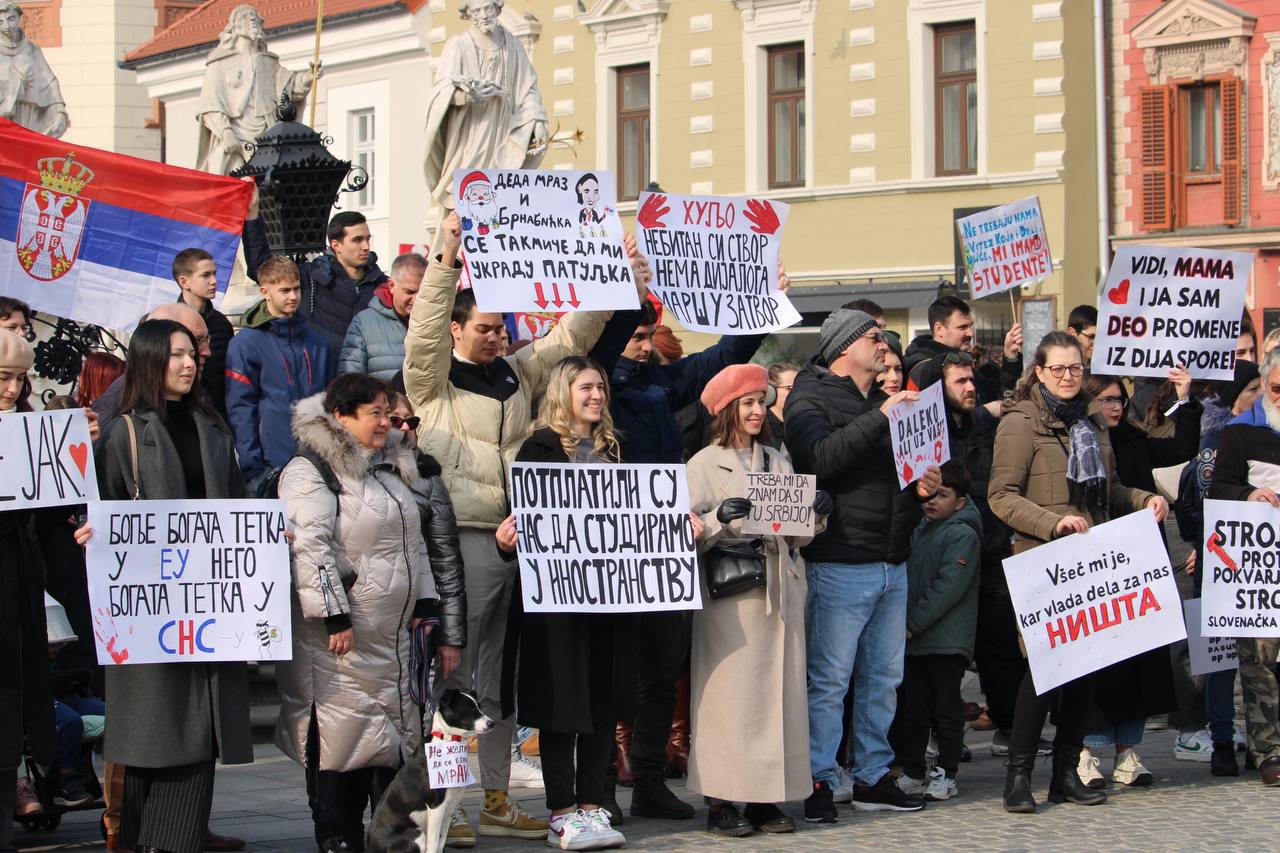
x: 734, y: 569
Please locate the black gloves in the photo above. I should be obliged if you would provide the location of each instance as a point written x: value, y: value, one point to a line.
x: 822, y: 503
x: 733, y: 508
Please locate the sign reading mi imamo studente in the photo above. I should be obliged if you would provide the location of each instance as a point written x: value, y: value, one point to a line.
x: 1090, y: 599
x: 1241, y: 594
x: 604, y: 538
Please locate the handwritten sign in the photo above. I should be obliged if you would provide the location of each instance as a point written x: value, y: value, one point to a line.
x: 1241, y: 592
x: 543, y: 241
x: 1163, y: 306
x: 1039, y: 318
x: 1005, y: 247
x: 189, y: 581
x: 1208, y: 654
x: 1088, y: 600
x: 448, y: 765
x: 781, y: 504
x: 715, y: 261
x: 604, y: 538
x: 918, y: 431
x: 46, y: 459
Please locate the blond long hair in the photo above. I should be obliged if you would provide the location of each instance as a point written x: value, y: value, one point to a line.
x: 556, y: 409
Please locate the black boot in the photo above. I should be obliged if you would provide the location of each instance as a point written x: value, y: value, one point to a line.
x: 1017, y: 783
x: 1223, y: 760
x: 610, y: 803
x: 652, y: 798
x: 1065, y: 786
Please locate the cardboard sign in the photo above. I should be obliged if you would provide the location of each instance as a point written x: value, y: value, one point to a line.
x: 1208, y: 654
x: 1005, y: 247
x: 715, y: 261
x: 604, y: 538
x: 448, y: 765
x: 543, y: 241
x: 189, y: 581
x: 1241, y: 592
x: 781, y: 504
x: 1090, y: 599
x: 46, y: 459
x: 918, y: 430
x: 1163, y: 306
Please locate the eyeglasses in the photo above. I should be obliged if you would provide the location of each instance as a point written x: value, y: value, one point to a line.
x: 1112, y: 402
x: 410, y: 422
x: 1090, y: 335
x: 782, y: 387
x: 1076, y: 370
x: 876, y: 335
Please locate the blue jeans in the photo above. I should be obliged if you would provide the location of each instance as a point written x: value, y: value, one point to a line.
x: 1128, y: 733
x: 1220, y: 704
x: 857, y: 621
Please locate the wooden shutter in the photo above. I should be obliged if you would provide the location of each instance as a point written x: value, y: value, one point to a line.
x: 1232, y: 148
x: 1157, y: 157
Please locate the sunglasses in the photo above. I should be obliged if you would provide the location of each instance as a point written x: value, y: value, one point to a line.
x: 410, y: 422
x: 876, y: 336
x: 958, y: 358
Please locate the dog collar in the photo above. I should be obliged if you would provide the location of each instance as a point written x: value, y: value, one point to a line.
x: 440, y: 736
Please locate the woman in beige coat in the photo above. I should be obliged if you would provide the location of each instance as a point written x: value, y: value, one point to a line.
x: 750, y: 718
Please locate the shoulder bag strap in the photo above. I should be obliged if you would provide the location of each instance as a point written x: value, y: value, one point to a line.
x: 133, y: 456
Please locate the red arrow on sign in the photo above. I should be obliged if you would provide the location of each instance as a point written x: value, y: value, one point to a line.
x: 573, y: 297
x: 541, y: 301
x: 556, y: 300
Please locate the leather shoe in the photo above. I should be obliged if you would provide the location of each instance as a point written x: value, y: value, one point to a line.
x: 725, y: 820
x: 1270, y: 770
x: 214, y: 841
x: 767, y: 817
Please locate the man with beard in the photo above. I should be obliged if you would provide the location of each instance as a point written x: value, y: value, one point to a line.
x: 477, y: 203
x: 1248, y: 469
x: 951, y: 330
x: 29, y: 93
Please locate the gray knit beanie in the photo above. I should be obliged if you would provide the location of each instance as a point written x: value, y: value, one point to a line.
x: 841, y: 328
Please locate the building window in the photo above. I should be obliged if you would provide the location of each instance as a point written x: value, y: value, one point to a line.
x: 955, y: 97
x: 1202, y: 129
x: 363, y: 143
x: 633, y: 130
x: 786, y: 116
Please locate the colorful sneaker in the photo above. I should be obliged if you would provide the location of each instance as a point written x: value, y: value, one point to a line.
x: 843, y: 792
x: 1129, y: 770
x: 604, y: 831
x: 940, y: 787
x: 1088, y: 770
x: 461, y: 835
x: 1194, y: 746
x: 526, y: 772
x: 570, y: 831
x: 506, y: 819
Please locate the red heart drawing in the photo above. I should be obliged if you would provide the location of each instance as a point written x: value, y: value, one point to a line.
x: 79, y: 455
x: 937, y: 451
x: 777, y: 525
x: 906, y: 472
x: 1119, y: 295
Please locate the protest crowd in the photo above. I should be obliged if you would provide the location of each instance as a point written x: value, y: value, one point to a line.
x: 387, y: 411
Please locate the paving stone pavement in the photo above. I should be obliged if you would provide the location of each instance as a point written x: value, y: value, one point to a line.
x: 1186, y: 809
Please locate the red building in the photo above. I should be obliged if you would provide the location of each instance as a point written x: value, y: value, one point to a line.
x: 1194, y: 107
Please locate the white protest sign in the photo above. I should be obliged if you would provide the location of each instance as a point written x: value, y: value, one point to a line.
x: 1005, y: 247
x: 1163, y: 306
x: 1088, y: 600
x: 189, y: 581
x: 781, y: 504
x: 715, y: 261
x: 448, y: 765
x: 543, y: 241
x: 1241, y: 592
x: 918, y: 430
x: 604, y: 538
x: 46, y: 459
x: 1208, y: 654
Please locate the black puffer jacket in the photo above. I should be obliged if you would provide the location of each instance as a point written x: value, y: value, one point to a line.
x: 991, y: 384
x: 835, y: 432
x: 440, y: 530
x: 213, y: 373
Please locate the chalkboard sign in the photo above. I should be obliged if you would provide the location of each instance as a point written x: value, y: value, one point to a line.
x: 1039, y: 318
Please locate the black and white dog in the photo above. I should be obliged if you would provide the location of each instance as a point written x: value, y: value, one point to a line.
x: 411, y: 817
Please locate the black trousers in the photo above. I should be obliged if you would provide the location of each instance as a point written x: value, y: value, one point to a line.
x: 1001, y: 666
x: 929, y: 699
x: 1070, y: 705
x: 569, y: 781
x: 665, y: 649
x: 338, y: 798
x: 8, y: 802
x: 167, y: 807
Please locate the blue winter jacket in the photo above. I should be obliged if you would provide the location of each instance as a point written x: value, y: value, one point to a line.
x: 273, y: 363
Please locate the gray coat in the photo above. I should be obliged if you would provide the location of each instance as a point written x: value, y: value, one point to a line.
x: 375, y: 341
x: 171, y: 714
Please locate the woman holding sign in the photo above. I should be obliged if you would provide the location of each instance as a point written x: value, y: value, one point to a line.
x: 169, y: 722
x: 1053, y: 474
x: 749, y: 701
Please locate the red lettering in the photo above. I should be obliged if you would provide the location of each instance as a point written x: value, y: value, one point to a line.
x: 1101, y: 619
x: 1057, y: 633
x: 186, y: 637
x: 1128, y: 598
x: 1148, y: 601
x: 1078, y: 624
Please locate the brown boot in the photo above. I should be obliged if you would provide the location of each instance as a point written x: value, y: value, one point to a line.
x: 678, y: 743
x: 622, y: 738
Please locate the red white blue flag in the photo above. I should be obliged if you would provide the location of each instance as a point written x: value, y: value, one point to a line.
x: 91, y: 235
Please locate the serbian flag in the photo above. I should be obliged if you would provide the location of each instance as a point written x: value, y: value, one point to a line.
x: 90, y: 235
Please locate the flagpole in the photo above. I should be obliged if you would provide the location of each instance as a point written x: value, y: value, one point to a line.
x: 315, y: 59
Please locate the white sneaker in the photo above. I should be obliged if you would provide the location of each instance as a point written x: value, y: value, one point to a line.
x: 910, y: 787
x: 1129, y: 770
x: 843, y: 792
x: 526, y: 772
x: 1242, y: 743
x: 1197, y: 746
x: 1088, y: 770
x: 604, y: 831
x: 940, y: 787
x: 572, y: 831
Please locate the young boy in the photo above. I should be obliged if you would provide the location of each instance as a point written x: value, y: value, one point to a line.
x: 197, y: 276
x: 942, y: 616
x: 275, y: 361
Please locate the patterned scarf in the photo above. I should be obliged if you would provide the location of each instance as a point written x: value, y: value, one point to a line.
x: 1086, y: 474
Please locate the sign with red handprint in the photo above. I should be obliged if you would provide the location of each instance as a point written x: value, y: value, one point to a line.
x: 715, y: 261
x: 918, y: 431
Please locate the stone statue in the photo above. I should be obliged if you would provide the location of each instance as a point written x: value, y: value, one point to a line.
x: 242, y: 86
x: 485, y: 110
x: 29, y: 93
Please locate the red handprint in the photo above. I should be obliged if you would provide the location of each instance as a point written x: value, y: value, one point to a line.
x: 109, y: 635
x: 764, y: 219
x: 651, y: 212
